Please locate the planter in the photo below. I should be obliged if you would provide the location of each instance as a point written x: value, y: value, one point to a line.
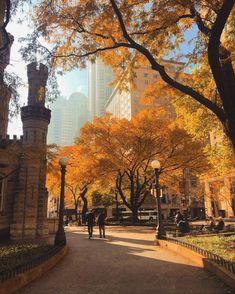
x: 194, y: 258
x: 19, y: 281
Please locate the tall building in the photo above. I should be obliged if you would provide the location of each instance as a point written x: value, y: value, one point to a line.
x: 67, y: 118
x: 126, y: 103
x: 99, y: 89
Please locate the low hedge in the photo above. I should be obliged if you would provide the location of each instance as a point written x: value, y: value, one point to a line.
x: 16, y: 255
x: 220, y: 245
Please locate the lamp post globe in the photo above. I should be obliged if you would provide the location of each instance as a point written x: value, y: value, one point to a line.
x: 160, y: 232
x: 155, y: 164
x: 63, y: 161
x: 60, y: 238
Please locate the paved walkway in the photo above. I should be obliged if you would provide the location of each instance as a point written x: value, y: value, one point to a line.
x: 126, y: 262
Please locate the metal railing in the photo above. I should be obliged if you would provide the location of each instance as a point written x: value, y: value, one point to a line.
x: 228, y: 265
x: 195, y: 230
x: 10, y: 273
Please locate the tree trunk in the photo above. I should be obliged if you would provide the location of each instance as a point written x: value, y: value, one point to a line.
x: 76, y: 211
x: 135, y: 218
x: 84, y: 209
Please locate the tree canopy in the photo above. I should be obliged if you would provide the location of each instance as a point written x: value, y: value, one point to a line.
x: 149, y: 31
x: 116, y: 154
x: 121, y: 152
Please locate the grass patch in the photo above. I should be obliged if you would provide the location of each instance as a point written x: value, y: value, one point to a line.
x: 223, y: 246
x: 17, y: 255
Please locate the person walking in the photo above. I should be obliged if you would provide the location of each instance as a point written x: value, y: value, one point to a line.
x: 90, y: 218
x: 101, y: 224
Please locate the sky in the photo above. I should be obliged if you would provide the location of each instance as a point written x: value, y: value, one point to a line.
x: 74, y: 81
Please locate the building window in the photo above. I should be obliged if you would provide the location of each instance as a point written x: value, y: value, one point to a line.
x: 193, y: 182
x: 145, y: 75
x: 1, y: 193
x: 183, y: 199
x: 146, y: 82
x: 164, y: 199
x: 174, y: 198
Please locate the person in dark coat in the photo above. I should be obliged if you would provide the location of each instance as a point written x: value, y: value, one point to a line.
x: 90, y: 218
x: 220, y: 225
x: 101, y: 224
x: 211, y: 223
x: 178, y: 217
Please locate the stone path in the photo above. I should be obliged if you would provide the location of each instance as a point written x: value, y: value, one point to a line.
x: 126, y: 262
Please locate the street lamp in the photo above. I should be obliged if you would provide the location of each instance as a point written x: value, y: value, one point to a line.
x: 160, y: 232
x: 60, y: 238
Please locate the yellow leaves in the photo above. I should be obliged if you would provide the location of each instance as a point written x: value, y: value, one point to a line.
x: 120, y: 144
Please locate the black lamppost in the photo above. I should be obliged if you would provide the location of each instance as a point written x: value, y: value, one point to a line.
x: 160, y: 232
x: 60, y: 238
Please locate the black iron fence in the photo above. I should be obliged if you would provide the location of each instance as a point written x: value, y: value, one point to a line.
x: 174, y: 231
x: 228, y: 265
x: 12, y: 272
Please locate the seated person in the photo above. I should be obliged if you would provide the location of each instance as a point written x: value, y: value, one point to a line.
x: 211, y: 225
x: 184, y: 226
x: 220, y: 225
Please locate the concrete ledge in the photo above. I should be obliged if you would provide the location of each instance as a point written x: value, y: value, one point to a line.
x: 226, y: 276
x: 199, y: 260
x: 12, y: 285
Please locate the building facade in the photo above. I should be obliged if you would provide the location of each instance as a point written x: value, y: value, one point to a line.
x: 100, y: 77
x: 68, y: 117
x: 220, y: 195
x: 126, y: 103
x: 219, y: 190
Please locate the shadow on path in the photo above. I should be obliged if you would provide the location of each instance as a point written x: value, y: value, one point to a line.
x: 121, y: 264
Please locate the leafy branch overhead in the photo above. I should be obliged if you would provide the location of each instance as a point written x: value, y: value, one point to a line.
x: 146, y: 32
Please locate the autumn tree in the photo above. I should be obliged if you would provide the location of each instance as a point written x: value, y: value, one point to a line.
x: 148, y: 31
x: 81, y: 173
x: 102, y: 199
x: 196, y: 120
x: 124, y: 150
